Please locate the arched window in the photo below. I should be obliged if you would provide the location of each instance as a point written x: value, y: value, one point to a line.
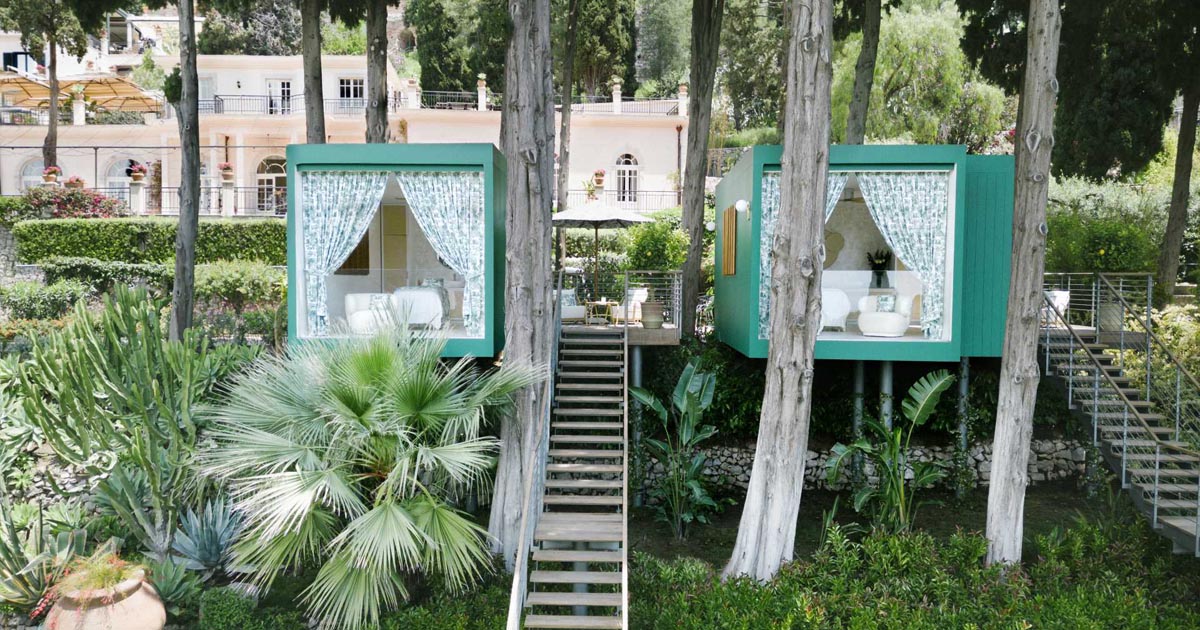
x: 627, y: 178
x: 31, y: 173
x: 272, y: 185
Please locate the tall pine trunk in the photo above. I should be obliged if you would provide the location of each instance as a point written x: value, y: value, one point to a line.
x: 767, y: 530
x: 183, y: 293
x: 864, y: 74
x: 707, y: 16
x: 527, y: 141
x: 50, y: 144
x: 1019, y: 373
x: 1181, y: 188
x: 377, y: 90
x: 564, y: 133
x: 314, y: 93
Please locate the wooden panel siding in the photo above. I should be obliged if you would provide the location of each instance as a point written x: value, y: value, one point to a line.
x: 988, y: 249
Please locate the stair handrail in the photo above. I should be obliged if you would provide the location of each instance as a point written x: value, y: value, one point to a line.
x: 1099, y: 369
x: 535, y: 478
x: 625, y: 470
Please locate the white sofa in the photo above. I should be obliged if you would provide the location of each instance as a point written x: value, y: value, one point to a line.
x: 835, y: 307
x: 873, y: 323
x: 368, y: 313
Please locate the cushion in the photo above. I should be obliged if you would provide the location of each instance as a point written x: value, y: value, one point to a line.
x: 381, y: 300
x: 567, y: 298
x: 885, y: 304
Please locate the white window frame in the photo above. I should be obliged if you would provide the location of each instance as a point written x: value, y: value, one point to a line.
x: 627, y: 173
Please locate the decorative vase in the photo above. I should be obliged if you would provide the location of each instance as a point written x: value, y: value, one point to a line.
x: 76, y: 184
x: 137, y: 177
x: 50, y: 179
x: 227, y: 175
x: 879, y: 279
x: 652, y: 315
x: 1111, y: 317
x: 598, y: 180
x: 130, y: 605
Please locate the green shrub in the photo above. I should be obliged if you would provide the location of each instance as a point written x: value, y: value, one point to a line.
x: 61, y: 202
x: 14, y: 209
x: 145, y: 240
x: 34, y: 300
x: 657, y: 246
x: 1108, y: 226
x: 485, y: 608
x: 101, y: 275
x: 581, y: 242
x: 239, y: 284
x: 225, y: 609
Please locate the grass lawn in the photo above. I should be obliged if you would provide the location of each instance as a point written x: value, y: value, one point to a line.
x: 1047, y: 506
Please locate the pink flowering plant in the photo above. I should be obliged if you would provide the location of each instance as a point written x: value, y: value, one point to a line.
x: 52, y: 170
x: 72, y: 203
x: 138, y: 168
x: 225, y: 166
x: 75, y: 179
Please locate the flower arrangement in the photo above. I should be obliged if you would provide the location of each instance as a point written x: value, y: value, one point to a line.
x: 52, y: 170
x: 225, y: 166
x: 138, y: 168
x: 879, y: 260
x: 59, y: 202
x: 599, y: 172
x: 75, y: 181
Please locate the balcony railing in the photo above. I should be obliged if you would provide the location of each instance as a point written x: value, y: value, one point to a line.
x: 643, y: 201
x: 248, y: 201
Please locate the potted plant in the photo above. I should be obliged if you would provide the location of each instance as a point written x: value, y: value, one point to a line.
x: 137, y: 172
x: 75, y: 181
x: 104, y: 591
x: 226, y: 171
x: 880, y: 261
x: 589, y: 187
x: 598, y: 178
x: 652, y: 311
x: 50, y: 174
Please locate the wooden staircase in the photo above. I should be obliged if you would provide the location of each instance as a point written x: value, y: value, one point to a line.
x: 1141, y: 441
x: 578, y: 575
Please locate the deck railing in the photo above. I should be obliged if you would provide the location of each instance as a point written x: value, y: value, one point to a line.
x: 643, y: 201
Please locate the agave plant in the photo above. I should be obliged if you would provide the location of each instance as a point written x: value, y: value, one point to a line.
x: 31, y: 558
x: 348, y: 456
x: 206, y: 540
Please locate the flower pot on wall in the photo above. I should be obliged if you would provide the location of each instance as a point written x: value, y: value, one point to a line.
x: 137, y: 177
x: 227, y: 175
x: 130, y: 605
x: 652, y: 315
x: 78, y: 183
x: 49, y: 179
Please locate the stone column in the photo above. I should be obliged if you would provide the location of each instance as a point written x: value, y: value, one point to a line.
x: 227, y: 197
x: 137, y: 197
x: 683, y: 99
x: 481, y: 92
x: 412, y: 94
x: 616, y: 95
x: 78, y: 112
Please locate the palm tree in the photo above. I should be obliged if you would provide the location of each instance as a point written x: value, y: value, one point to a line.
x: 352, y: 456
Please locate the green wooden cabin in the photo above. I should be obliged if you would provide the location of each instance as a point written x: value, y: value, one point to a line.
x: 410, y: 231
x: 941, y: 222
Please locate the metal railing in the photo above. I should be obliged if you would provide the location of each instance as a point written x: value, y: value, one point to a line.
x: 650, y: 106
x: 23, y: 116
x: 165, y: 201
x: 436, y: 99
x: 625, y: 455
x: 535, y: 479
x: 248, y: 201
x: 643, y: 201
x: 239, y: 104
x: 602, y: 294
x: 260, y: 201
x: 1128, y: 382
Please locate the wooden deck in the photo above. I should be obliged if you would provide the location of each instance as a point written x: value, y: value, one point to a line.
x: 668, y: 335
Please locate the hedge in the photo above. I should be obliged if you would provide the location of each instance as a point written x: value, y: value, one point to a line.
x: 101, y: 275
x: 14, y: 209
x: 34, y: 300
x: 145, y: 240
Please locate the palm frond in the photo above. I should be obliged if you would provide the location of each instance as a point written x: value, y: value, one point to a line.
x: 350, y: 594
x: 457, y: 548
x: 924, y: 395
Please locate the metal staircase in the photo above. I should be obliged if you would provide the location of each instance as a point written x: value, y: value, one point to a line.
x: 571, y: 573
x: 1143, y: 404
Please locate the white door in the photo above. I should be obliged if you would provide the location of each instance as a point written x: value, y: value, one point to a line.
x: 207, y: 92
x: 279, y: 96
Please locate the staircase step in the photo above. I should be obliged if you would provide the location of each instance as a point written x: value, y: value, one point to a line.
x: 596, y: 484
x: 591, y: 331
x: 573, y: 622
x: 588, y: 439
x: 599, y: 387
x: 578, y: 532
x: 574, y: 518
x: 587, y: 411
x: 1185, y: 523
x: 585, y: 468
x: 1135, y: 428
x: 1176, y: 504
x: 610, y: 399
x: 573, y: 599
x: 589, y: 426
x: 575, y: 577
x: 1173, y: 488
x: 1148, y: 417
x: 1148, y: 443
x: 586, y: 453
x: 1085, y: 393
x: 571, y: 555
x: 1067, y: 345
x: 1114, y: 403
x: 1164, y: 472
x: 606, y: 340
x: 592, y: 363
x: 582, y: 499
x: 1165, y: 458
x: 592, y: 352
x: 589, y: 375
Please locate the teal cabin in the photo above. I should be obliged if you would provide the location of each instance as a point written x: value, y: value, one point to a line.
x: 917, y: 239
x: 379, y: 233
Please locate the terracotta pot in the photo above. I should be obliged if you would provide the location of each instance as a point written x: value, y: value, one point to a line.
x: 75, y: 184
x: 49, y: 179
x: 652, y: 315
x: 598, y: 180
x: 130, y: 605
x: 227, y: 175
x: 137, y: 177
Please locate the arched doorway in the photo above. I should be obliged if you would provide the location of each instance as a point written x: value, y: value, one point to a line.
x: 31, y: 174
x: 271, y: 190
x: 627, y: 178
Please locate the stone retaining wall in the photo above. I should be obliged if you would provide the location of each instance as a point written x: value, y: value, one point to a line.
x: 1049, y: 460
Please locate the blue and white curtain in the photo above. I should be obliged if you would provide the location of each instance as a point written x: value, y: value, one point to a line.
x: 911, y: 211
x: 834, y: 185
x: 337, y: 208
x: 449, y: 207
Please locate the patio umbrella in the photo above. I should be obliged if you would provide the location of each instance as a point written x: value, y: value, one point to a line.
x: 23, y: 89
x: 111, y: 92
x: 598, y: 216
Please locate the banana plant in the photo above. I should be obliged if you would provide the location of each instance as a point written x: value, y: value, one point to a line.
x: 892, y: 502
x: 683, y: 497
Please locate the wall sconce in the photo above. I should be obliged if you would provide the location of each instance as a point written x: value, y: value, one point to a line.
x: 711, y: 226
x: 742, y: 205
x: 239, y: 85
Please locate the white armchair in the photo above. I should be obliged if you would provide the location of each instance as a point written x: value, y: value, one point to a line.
x: 572, y: 310
x: 875, y: 323
x: 835, y: 306
x: 631, y: 307
x: 368, y: 313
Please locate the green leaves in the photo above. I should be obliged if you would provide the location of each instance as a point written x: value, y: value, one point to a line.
x: 924, y: 395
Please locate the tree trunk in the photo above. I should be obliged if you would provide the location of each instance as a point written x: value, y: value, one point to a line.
x: 1019, y: 367
x: 527, y: 141
x: 314, y: 94
x: 189, y: 181
x: 50, y: 144
x: 564, y: 133
x: 1168, y: 262
x: 768, y: 527
x: 706, y: 41
x: 377, y: 90
x: 864, y: 74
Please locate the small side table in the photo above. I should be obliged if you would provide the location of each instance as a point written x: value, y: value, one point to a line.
x: 597, y: 312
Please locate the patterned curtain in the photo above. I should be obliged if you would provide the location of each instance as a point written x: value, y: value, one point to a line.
x: 336, y: 209
x: 449, y: 207
x: 911, y: 211
x: 770, y: 215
